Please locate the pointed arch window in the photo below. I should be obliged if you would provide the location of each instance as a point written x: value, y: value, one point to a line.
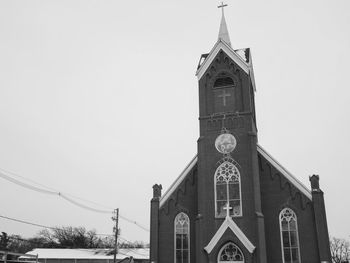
x: 182, y: 238
x: 230, y: 253
x: 228, y: 189
x: 289, y: 236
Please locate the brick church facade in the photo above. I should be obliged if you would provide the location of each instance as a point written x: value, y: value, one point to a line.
x: 234, y: 202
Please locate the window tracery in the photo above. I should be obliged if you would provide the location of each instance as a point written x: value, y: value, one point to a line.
x: 230, y: 253
x: 289, y: 236
x: 227, y: 189
x: 182, y: 238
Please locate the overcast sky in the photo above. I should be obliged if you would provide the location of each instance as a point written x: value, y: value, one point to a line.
x: 99, y: 99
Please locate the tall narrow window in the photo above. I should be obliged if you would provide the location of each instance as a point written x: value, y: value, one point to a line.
x: 289, y: 236
x: 182, y: 238
x: 228, y: 189
x: 230, y: 253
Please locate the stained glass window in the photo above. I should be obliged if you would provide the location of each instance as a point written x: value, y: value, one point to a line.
x: 230, y: 253
x: 228, y: 189
x: 289, y: 236
x: 182, y: 238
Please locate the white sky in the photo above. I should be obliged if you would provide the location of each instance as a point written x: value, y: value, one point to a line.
x: 99, y: 99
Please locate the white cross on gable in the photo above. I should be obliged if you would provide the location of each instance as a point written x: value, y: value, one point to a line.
x: 227, y: 208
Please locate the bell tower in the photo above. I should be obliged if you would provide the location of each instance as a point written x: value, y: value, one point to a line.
x: 227, y: 154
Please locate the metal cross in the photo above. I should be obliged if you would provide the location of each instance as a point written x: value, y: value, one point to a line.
x: 227, y: 208
x: 223, y: 96
x: 222, y: 6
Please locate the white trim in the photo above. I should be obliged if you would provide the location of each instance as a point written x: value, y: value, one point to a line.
x: 229, y: 223
x: 221, y: 45
x: 219, y: 254
x: 296, y: 224
x: 178, y: 181
x: 251, y: 70
x: 189, y: 236
x: 291, y: 178
x: 240, y: 191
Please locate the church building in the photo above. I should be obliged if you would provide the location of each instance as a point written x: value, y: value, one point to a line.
x: 234, y: 202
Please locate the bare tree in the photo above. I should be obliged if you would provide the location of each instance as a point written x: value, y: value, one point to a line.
x: 71, y: 237
x: 4, y: 241
x: 340, y: 250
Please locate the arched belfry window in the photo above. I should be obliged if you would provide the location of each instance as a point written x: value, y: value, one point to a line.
x: 289, y: 236
x: 223, y: 82
x: 182, y: 238
x: 230, y: 253
x: 224, y: 94
x: 227, y: 189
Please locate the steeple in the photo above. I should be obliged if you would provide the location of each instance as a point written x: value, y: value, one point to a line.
x: 223, y: 33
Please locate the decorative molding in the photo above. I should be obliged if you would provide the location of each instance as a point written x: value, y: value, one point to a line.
x: 220, y: 115
x: 181, y: 190
x: 229, y: 223
x: 220, y: 45
x: 284, y: 183
x: 287, y: 175
x: 230, y: 123
x: 178, y: 181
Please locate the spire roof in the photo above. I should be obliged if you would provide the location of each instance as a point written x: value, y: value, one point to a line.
x: 223, y: 32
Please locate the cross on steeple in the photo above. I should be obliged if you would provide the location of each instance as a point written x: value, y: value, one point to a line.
x: 222, y: 6
x: 227, y: 208
x: 223, y: 33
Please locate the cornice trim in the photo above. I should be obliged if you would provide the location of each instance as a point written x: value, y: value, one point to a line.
x: 221, y: 45
x: 291, y: 178
x: 178, y: 181
x: 229, y: 223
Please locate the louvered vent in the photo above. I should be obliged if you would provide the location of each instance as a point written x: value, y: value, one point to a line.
x: 223, y: 82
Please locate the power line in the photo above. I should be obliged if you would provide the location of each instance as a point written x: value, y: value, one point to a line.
x: 52, y: 189
x: 40, y: 225
x: 134, y: 222
x: 25, y: 185
x: 27, y: 179
x: 44, y: 191
x: 5, y: 175
x: 55, y: 228
x: 26, y: 222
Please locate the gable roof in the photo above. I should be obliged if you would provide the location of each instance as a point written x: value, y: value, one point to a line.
x: 221, y: 45
x: 178, y: 181
x: 230, y: 224
x: 291, y: 178
x: 299, y: 185
x: 235, y: 55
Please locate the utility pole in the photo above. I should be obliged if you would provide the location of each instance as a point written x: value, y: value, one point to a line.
x: 116, y: 232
